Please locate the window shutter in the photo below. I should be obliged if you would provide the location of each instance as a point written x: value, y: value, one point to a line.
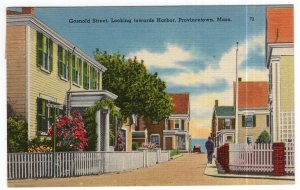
x: 80, y: 71
x: 243, y: 121
x: 39, y: 114
x: 254, y: 120
x: 39, y: 49
x: 73, y: 68
x: 50, y: 55
x: 69, y: 66
x: 182, y: 124
x: 59, y: 55
x: 223, y: 123
x: 169, y: 124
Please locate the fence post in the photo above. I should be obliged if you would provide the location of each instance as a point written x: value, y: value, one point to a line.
x: 157, y: 155
x: 278, y: 159
x: 223, y: 157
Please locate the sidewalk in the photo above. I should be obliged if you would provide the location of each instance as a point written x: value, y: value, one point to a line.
x: 211, y: 170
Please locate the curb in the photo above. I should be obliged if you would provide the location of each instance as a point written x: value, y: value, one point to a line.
x: 211, y: 170
x: 176, y: 156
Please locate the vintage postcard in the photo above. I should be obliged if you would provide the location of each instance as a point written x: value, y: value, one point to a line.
x: 194, y: 95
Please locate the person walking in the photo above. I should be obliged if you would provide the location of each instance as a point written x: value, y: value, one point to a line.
x: 209, y: 145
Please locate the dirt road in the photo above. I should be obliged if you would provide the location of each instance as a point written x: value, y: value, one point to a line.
x: 186, y: 170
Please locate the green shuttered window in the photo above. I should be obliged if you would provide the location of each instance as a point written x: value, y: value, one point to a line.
x: 45, y: 116
x: 44, y: 52
x: 86, y: 76
x: 62, y: 63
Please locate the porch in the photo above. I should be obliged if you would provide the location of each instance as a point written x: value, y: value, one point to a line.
x: 174, y: 139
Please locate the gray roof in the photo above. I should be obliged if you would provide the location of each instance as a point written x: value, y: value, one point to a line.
x: 224, y: 111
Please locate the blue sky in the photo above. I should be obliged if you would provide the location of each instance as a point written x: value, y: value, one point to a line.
x: 192, y: 57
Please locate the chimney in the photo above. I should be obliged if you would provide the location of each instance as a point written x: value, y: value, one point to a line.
x: 216, y: 103
x: 28, y: 10
x: 240, y: 79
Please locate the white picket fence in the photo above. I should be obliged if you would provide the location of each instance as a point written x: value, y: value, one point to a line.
x: 68, y: 164
x: 258, y: 158
x: 289, y: 158
x: 40, y: 165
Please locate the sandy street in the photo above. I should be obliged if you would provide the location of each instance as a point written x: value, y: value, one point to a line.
x: 186, y: 170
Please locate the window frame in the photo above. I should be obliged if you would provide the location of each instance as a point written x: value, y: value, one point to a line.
x: 179, y: 123
x: 157, y: 135
x: 45, y: 48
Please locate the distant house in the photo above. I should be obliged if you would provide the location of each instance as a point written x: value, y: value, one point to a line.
x: 223, y: 124
x: 170, y: 133
x: 280, y: 62
x: 43, y: 69
x: 253, y: 110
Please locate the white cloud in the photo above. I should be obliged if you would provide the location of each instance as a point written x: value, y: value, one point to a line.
x: 167, y: 59
x: 226, y: 67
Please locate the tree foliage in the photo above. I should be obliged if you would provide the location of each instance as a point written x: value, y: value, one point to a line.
x: 264, y: 137
x: 90, y: 121
x: 17, y: 135
x: 139, y: 92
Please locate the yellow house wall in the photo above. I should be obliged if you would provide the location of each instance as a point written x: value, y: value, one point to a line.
x: 287, y: 83
x: 261, y: 125
x: 43, y: 83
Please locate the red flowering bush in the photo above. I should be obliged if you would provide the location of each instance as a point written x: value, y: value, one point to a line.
x: 70, y: 133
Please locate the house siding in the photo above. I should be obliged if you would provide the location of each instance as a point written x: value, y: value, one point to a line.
x: 287, y: 83
x: 16, y: 69
x: 44, y: 83
x: 261, y: 125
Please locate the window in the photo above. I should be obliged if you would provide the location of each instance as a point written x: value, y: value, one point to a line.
x: 62, y: 63
x: 155, y: 139
x: 177, y: 124
x: 249, y: 120
x: 249, y: 139
x: 93, y: 78
x: 44, y: 52
x: 76, y: 70
x: 86, y: 76
x: 228, y: 138
x: 45, y: 116
x: 227, y: 123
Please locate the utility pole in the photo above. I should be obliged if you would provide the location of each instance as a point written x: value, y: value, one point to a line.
x: 236, y: 94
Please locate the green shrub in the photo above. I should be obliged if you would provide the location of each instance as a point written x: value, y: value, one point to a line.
x: 264, y: 137
x: 17, y: 135
x: 135, y: 146
x: 174, y: 152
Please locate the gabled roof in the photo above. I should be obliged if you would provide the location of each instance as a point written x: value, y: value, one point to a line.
x: 222, y: 111
x: 280, y: 25
x: 181, y: 103
x: 252, y: 94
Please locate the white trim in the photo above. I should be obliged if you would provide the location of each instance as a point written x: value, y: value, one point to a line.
x: 225, y: 117
x: 46, y: 97
x: 28, y: 77
x: 48, y: 32
x: 158, y: 138
x: 270, y: 47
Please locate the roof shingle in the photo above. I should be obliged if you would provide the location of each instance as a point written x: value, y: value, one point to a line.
x: 225, y: 111
x: 252, y: 94
x: 280, y: 25
x: 181, y: 103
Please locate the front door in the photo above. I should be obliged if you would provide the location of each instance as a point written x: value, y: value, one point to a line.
x: 168, y: 143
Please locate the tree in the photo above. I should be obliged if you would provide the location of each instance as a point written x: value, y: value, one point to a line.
x: 139, y: 92
x: 17, y: 135
x: 264, y: 137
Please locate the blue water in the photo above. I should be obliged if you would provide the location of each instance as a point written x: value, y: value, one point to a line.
x: 200, y: 142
